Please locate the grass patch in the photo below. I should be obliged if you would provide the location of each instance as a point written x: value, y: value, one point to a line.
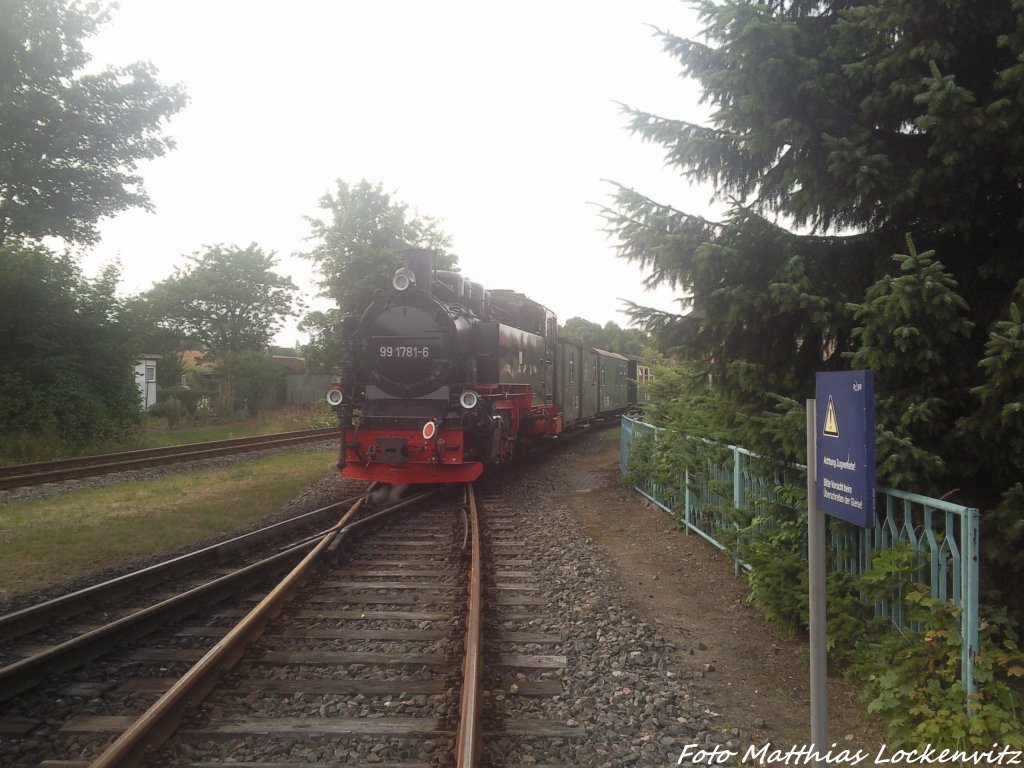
x: 47, y: 541
x: 269, y: 422
x: 24, y: 448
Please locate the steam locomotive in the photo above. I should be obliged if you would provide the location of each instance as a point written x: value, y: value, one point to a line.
x: 440, y: 378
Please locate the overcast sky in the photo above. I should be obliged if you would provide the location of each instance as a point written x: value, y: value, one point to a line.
x: 499, y: 120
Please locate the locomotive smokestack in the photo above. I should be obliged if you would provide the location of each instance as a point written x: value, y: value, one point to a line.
x: 421, y: 262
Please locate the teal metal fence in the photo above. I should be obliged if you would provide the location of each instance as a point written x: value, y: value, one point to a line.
x: 704, y: 501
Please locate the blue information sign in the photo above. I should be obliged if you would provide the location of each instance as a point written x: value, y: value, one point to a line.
x: 845, y: 437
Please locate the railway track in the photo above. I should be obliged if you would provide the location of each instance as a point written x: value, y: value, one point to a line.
x: 570, y: 676
x: 337, y: 638
x: 215, y: 630
x: 20, y: 475
x: 66, y: 632
x: 384, y: 627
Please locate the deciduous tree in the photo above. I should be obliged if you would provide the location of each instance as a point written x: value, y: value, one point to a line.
x: 611, y: 337
x: 68, y: 370
x: 359, y: 243
x: 227, y: 298
x: 70, y: 140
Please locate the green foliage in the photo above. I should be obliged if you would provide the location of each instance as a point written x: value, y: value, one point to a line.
x: 835, y: 129
x: 254, y: 378
x: 911, y: 676
x: 170, y: 409
x: 993, y: 431
x: 194, y: 401
x: 611, y: 337
x: 774, y: 549
x: 145, y: 324
x: 228, y: 299
x: 70, y: 141
x: 169, y: 370
x: 1007, y: 553
x: 999, y: 417
x: 912, y: 680
x: 68, y: 360
x: 911, y: 325
x: 360, y: 242
x: 767, y: 309
x: 641, y: 461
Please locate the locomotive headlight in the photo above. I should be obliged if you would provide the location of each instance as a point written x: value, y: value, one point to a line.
x: 429, y: 430
x: 334, y: 397
x: 469, y: 399
x: 404, y: 278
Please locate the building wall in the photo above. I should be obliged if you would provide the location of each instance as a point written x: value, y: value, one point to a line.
x: 303, y: 389
x: 145, y: 380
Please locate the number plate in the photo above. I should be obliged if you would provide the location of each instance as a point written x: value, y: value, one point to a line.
x: 402, y: 351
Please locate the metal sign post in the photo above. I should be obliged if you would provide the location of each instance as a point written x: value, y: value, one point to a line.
x: 845, y: 457
x: 841, y: 483
x: 816, y: 575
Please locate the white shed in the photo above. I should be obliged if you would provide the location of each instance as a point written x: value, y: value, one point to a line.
x: 145, y: 379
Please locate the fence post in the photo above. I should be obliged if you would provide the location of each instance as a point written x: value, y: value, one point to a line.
x: 737, y: 502
x: 687, y: 513
x: 969, y: 543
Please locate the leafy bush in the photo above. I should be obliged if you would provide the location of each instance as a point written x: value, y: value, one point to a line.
x: 254, y: 376
x: 912, y: 679
x: 194, y: 401
x: 68, y: 361
x: 170, y: 409
x: 778, y: 579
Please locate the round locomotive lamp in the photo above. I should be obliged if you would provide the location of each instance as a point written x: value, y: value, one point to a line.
x: 404, y: 279
x: 429, y: 430
x: 469, y: 399
x: 334, y: 397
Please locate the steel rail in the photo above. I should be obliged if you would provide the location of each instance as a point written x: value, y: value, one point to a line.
x: 20, y: 475
x: 467, y: 745
x: 17, y: 623
x: 24, y: 673
x: 160, y: 721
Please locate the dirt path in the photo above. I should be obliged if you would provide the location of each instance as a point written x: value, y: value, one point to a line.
x: 753, y: 675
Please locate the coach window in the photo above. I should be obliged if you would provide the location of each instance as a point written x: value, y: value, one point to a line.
x: 572, y: 371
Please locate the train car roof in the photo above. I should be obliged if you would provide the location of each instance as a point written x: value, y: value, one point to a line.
x: 606, y: 353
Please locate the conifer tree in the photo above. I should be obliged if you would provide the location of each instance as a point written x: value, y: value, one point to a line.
x: 836, y: 127
x: 912, y: 323
x: 993, y: 432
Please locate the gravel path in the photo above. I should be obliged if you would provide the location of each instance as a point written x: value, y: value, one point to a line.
x: 619, y: 684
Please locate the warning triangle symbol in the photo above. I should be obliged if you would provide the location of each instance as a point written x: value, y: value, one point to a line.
x: 831, y: 422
